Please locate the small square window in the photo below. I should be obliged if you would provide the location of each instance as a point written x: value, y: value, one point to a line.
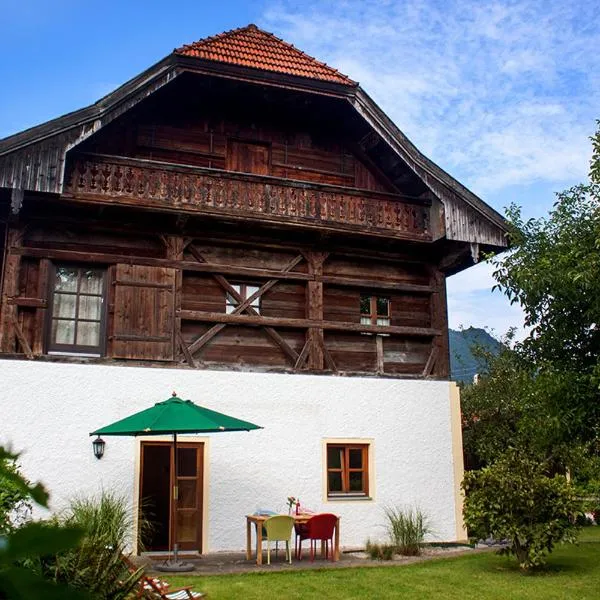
x: 375, y: 310
x: 245, y: 290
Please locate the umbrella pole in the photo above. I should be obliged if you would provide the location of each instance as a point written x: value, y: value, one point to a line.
x: 175, y: 497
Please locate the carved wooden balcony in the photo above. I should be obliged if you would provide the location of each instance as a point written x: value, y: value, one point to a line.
x: 166, y: 186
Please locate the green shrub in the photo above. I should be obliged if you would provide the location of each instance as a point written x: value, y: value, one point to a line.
x: 96, y: 563
x: 15, y: 502
x: 513, y: 499
x: 407, y: 529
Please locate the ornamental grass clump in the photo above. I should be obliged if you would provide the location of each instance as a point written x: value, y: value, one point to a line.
x: 379, y: 551
x: 96, y: 564
x: 407, y: 529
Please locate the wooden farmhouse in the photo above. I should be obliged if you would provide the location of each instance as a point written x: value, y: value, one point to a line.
x: 243, y: 224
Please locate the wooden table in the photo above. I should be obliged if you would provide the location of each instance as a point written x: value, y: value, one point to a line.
x: 258, y: 521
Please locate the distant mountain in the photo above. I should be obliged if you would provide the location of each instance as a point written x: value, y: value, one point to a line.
x: 463, y: 365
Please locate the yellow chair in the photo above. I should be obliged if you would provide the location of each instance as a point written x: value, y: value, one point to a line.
x: 279, y: 529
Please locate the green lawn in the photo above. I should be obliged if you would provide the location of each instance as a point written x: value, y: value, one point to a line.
x: 573, y: 572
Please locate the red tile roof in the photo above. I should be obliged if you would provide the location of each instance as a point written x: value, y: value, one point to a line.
x: 252, y: 47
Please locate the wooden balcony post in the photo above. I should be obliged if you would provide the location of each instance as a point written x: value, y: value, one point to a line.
x: 439, y: 320
x: 174, y: 246
x: 314, y: 310
x: 8, y: 313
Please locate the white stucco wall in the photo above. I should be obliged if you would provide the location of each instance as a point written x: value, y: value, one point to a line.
x: 48, y: 409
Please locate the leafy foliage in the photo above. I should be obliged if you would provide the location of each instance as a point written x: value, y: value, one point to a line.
x: 15, y: 505
x: 30, y: 543
x: 407, y: 529
x: 515, y: 499
x: 553, y: 272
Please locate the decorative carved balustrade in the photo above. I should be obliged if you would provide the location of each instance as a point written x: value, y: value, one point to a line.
x: 193, y: 189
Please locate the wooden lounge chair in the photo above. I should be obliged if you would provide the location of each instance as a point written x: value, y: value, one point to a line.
x: 153, y: 590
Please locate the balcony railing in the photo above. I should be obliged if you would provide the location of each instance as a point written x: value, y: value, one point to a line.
x: 193, y: 189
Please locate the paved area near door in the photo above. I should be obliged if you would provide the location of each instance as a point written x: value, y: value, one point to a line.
x: 220, y: 563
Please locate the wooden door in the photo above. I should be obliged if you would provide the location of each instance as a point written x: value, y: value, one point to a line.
x: 156, y: 499
x: 188, y: 508
x: 248, y: 157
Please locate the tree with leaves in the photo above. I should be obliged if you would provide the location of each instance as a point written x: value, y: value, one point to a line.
x: 553, y: 272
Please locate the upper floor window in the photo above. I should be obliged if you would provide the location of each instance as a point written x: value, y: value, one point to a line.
x: 245, y: 291
x: 374, y: 310
x: 77, y: 315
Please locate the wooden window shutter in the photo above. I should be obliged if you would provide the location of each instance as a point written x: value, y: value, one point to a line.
x: 144, y: 313
x: 248, y: 157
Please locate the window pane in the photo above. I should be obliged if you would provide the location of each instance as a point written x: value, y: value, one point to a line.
x: 88, y: 334
x: 334, y: 458
x: 187, y: 493
x: 66, y: 280
x: 64, y: 306
x: 384, y: 321
x: 63, y: 332
x: 335, y: 482
x: 231, y: 300
x: 186, y: 462
x: 356, y: 482
x: 90, y: 307
x: 383, y: 306
x: 91, y: 282
x: 365, y: 305
x: 187, y: 526
x: 365, y: 320
x: 251, y: 289
x: 355, y: 458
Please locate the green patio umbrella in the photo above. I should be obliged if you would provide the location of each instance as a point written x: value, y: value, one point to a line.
x: 175, y: 416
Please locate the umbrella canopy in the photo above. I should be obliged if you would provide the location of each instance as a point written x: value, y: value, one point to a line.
x: 175, y: 416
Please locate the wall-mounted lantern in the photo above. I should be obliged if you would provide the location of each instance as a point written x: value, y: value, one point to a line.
x: 98, y: 446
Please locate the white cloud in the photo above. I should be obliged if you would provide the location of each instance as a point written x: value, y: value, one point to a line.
x: 471, y: 302
x: 499, y: 93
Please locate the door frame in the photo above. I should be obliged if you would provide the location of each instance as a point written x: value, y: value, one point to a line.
x: 183, y: 440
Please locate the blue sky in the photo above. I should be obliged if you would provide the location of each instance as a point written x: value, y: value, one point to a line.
x: 502, y: 94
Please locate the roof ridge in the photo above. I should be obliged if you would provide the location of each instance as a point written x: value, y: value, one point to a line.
x: 298, y: 61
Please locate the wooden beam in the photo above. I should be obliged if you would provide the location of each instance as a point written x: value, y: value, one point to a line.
x: 261, y: 321
x: 431, y: 360
x: 8, y: 312
x: 328, y: 358
x: 104, y: 257
x: 303, y: 356
x: 174, y: 245
x: 439, y: 320
x: 21, y: 337
x: 380, y: 357
x: 28, y: 302
x: 374, y: 284
x: 42, y: 309
x: 184, y: 349
x: 314, y: 309
x: 206, y: 337
x: 285, y: 347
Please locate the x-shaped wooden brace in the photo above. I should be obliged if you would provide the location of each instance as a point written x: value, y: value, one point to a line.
x: 243, y: 305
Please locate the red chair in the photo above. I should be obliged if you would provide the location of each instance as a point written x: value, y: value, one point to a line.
x: 317, y: 528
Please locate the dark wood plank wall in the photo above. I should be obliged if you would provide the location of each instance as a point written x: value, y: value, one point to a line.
x: 414, y: 290
x: 259, y: 149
